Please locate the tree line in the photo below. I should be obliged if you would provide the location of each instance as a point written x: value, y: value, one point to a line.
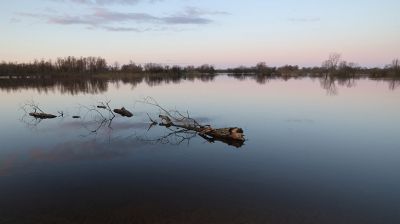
x: 91, y: 65
x: 333, y: 66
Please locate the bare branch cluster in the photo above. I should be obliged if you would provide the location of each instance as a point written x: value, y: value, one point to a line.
x: 181, y: 127
x: 185, y: 124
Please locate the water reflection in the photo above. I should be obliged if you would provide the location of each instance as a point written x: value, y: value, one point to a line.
x: 84, y: 149
x: 102, y: 121
x: 310, y: 157
x: 330, y: 83
x: 99, y: 84
x: 45, y: 85
x: 98, y: 140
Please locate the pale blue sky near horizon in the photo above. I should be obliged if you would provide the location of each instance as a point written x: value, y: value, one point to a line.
x: 220, y: 32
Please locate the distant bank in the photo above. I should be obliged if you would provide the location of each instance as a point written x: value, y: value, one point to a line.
x: 88, y: 66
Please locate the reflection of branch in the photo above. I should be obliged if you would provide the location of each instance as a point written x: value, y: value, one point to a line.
x: 173, y: 118
x: 102, y: 120
x: 152, y: 124
x: 175, y: 137
x: 237, y: 144
x: 30, y: 122
x: 100, y: 124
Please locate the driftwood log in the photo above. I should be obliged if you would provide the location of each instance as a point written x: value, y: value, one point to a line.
x: 123, y: 112
x: 42, y: 115
x: 232, y: 136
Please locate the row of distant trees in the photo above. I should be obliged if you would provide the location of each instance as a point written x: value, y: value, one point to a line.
x: 158, y: 68
x: 91, y: 65
x: 334, y: 65
x: 60, y: 65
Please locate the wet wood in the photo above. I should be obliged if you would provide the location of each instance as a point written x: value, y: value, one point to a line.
x: 233, y: 142
x: 42, y: 115
x: 232, y: 135
x: 123, y: 112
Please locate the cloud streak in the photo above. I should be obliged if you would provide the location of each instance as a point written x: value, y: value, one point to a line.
x: 111, y: 20
x: 106, y: 2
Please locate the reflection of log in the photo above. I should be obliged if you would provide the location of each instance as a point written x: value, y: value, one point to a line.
x: 232, y: 136
x: 236, y: 143
x: 123, y: 112
x: 42, y: 115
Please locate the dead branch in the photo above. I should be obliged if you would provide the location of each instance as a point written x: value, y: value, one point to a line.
x: 188, y: 127
x: 106, y: 105
x: 153, y: 102
x: 173, y: 118
x: 32, y: 109
x: 151, y: 119
x: 31, y: 105
x: 152, y: 122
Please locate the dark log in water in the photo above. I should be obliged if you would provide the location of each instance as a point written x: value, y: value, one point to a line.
x: 123, y: 112
x: 42, y: 115
x: 232, y: 136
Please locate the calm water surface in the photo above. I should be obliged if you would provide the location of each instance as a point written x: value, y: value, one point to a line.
x: 313, y: 155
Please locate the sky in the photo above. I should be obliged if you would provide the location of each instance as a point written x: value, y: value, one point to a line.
x: 224, y: 33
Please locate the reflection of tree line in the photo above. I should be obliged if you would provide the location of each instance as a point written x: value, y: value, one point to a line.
x: 98, y: 84
x: 48, y: 84
x: 328, y: 82
x: 93, y: 84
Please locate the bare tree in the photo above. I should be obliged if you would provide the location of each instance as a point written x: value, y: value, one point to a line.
x: 396, y: 64
x: 333, y: 62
